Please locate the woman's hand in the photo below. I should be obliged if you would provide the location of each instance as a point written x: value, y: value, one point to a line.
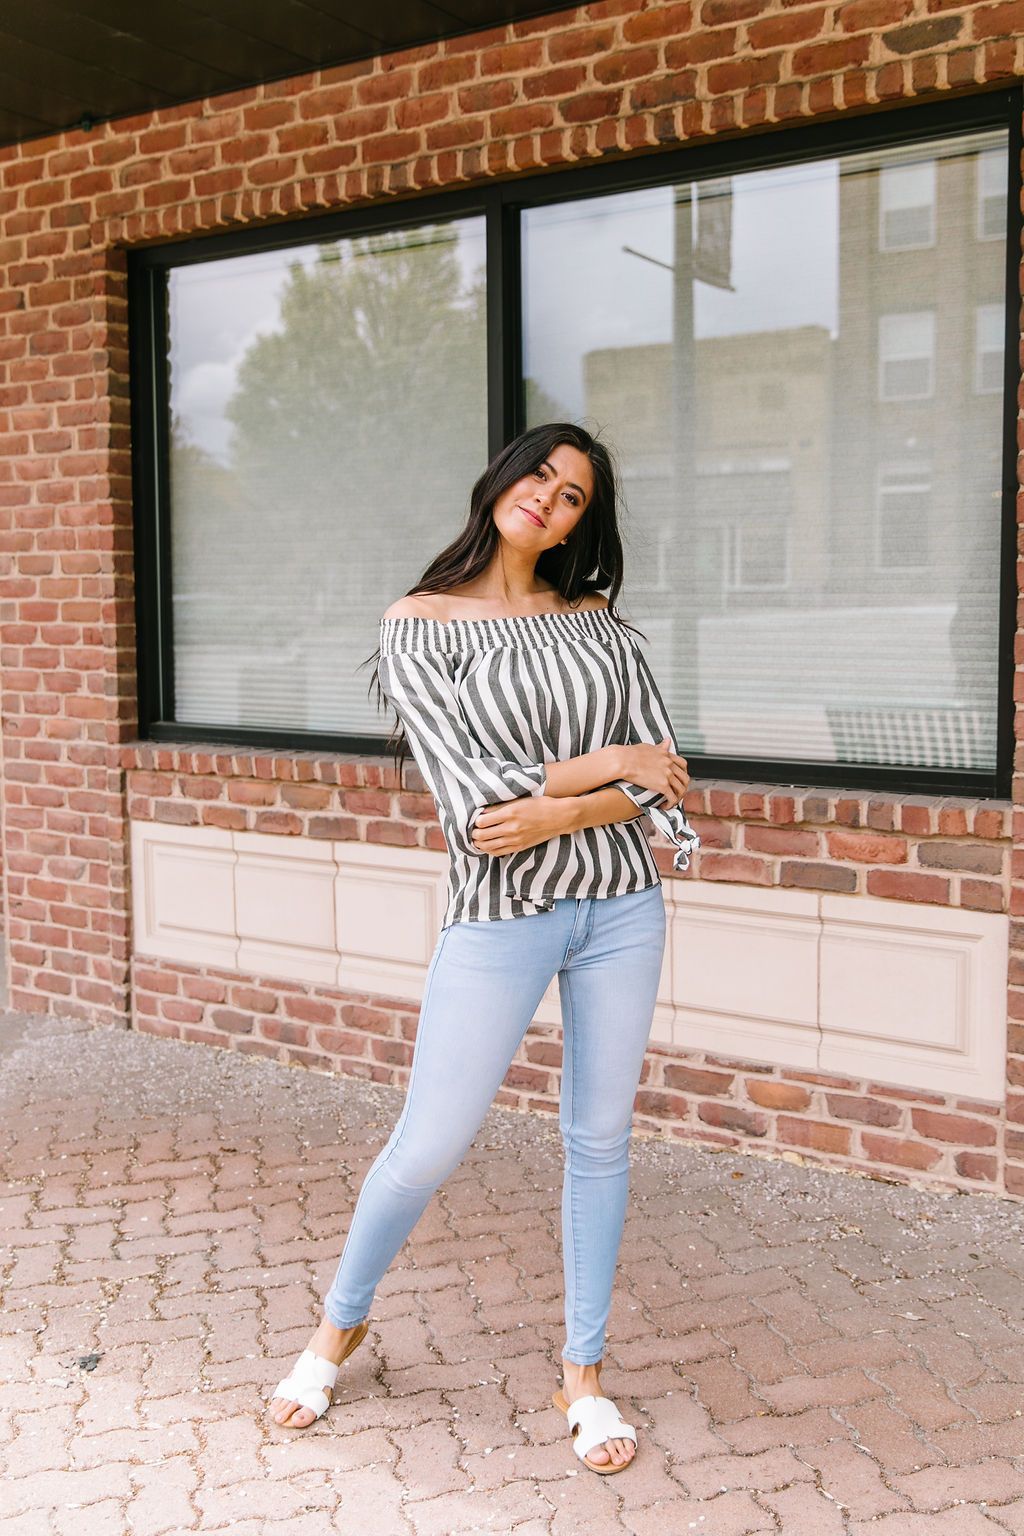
x: 522, y: 823
x: 656, y: 767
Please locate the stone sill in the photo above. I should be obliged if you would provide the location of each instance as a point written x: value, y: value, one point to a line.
x: 721, y: 799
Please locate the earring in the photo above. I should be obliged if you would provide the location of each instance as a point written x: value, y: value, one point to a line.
x: 565, y: 540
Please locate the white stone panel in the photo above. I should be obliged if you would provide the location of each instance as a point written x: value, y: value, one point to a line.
x: 914, y: 995
x: 388, y: 903
x: 744, y: 971
x: 284, y: 907
x: 183, y: 893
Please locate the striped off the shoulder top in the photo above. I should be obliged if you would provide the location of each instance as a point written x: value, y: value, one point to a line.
x: 485, y: 704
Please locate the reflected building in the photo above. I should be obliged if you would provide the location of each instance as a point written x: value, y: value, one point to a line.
x: 813, y: 511
x: 749, y: 536
x: 915, y: 473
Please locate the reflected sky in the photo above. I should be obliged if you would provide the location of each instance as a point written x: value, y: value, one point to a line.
x: 219, y: 308
x: 785, y: 270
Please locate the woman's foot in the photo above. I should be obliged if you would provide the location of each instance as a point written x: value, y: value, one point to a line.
x: 583, y: 1381
x: 328, y: 1342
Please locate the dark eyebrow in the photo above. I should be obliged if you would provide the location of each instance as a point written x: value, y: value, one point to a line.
x: 570, y: 483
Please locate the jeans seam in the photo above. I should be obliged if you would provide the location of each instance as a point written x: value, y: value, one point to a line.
x: 568, y: 1155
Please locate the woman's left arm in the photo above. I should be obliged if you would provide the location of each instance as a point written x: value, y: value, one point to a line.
x: 603, y: 806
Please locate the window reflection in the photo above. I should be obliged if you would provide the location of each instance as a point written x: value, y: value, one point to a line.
x: 906, y: 206
x: 313, y: 472
x: 800, y: 369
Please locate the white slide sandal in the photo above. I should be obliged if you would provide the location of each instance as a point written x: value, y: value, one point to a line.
x: 593, y: 1420
x: 309, y: 1377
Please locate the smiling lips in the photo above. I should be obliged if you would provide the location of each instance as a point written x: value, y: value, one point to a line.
x: 532, y: 516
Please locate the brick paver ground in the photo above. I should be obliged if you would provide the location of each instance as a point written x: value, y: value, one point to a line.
x: 802, y: 1351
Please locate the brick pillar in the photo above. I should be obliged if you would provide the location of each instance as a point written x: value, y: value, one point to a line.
x: 67, y: 627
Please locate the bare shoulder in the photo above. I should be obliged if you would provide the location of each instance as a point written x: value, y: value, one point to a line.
x: 424, y: 606
x: 593, y: 601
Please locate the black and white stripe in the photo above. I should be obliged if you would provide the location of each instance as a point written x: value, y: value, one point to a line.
x: 486, y: 704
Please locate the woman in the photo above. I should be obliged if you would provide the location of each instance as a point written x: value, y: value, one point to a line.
x: 541, y: 733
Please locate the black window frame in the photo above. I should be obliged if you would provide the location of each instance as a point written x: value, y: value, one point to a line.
x: 501, y: 204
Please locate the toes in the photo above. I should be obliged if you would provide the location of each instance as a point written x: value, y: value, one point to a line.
x: 287, y: 1412
x: 615, y: 1451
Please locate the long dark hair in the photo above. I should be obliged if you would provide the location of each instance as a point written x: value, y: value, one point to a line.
x: 590, y: 562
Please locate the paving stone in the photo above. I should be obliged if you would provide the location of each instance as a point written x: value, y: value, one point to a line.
x: 890, y: 1436
x: 767, y: 1470
x: 104, y: 1518
x: 853, y: 1477
x: 804, y: 1508
x: 1009, y: 1517
x: 961, y: 1521
x: 730, y: 1514
x: 992, y: 1482
x: 164, y: 1501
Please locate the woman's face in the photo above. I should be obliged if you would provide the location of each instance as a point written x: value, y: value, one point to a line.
x: 538, y: 511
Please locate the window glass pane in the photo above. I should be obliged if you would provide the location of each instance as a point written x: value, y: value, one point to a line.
x: 907, y: 205
x: 990, y: 320
x: 906, y: 348
x: 328, y: 418
x: 990, y: 184
x: 811, y: 472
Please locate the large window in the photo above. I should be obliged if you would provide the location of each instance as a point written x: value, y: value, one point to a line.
x: 310, y: 464
x: 796, y: 346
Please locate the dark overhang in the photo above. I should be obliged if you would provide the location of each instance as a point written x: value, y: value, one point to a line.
x: 66, y: 65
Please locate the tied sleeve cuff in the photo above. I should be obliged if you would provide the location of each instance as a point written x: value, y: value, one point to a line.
x: 670, y: 820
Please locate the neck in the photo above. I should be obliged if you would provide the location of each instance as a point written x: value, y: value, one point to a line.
x: 511, y: 578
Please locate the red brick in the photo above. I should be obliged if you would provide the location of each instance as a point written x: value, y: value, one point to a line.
x: 770, y: 1094
x: 859, y: 1107
x: 310, y: 1010
x: 956, y: 1128
x: 823, y: 58
x: 696, y: 1079
x: 735, y: 866
x: 904, y: 886
x: 341, y: 1042
x: 699, y: 47
x: 663, y: 1106
x: 791, y: 27
x: 230, y: 1021
x: 589, y: 106
x: 659, y: 21
x: 733, y: 1117
x: 283, y: 1031
x: 360, y: 1017
x: 904, y: 1153
x: 816, y: 1134
x: 867, y: 847
x: 977, y: 1165
x: 864, y: 15
x: 998, y: 20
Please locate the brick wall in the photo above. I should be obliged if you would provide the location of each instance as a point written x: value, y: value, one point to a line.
x: 597, y: 80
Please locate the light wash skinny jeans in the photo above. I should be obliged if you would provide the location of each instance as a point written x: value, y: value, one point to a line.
x: 482, y: 989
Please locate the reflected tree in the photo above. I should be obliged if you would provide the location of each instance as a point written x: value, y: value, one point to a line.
x: 351, y: 423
